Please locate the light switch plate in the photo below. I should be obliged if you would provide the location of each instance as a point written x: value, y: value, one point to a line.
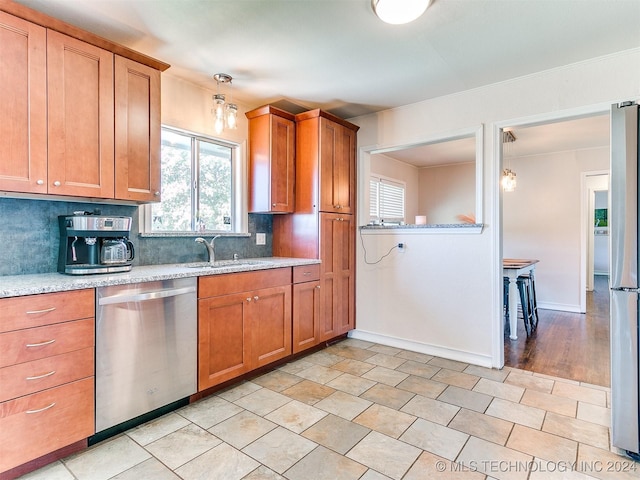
x: 261, y: 238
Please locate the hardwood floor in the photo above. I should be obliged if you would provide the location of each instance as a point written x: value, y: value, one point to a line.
x: 567, y: 345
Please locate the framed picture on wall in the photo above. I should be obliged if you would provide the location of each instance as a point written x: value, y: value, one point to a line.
x: 601, y: 217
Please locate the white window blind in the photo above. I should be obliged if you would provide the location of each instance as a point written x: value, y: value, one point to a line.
x: 386, y: 200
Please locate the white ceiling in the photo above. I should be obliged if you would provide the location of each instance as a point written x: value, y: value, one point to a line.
x: 337, y: 55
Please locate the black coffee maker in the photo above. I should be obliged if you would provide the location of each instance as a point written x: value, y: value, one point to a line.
x: 94, y: 244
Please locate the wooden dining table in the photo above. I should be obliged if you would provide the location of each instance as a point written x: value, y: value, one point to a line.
x: 512, y: 268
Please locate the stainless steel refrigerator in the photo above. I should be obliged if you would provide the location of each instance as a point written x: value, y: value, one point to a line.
x: 623, y: 231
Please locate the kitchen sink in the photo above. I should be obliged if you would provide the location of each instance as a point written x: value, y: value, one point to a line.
x: 227, y: 263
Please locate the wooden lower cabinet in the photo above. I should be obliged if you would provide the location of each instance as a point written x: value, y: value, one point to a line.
x: 46, y: 375
x: 337, y: 275
x: 37, y: 424
x: 306, y: 307
x: 239, y: 332
x: 223, y: 340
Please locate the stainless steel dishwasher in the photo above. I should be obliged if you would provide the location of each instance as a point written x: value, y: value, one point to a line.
x: 146, y: 348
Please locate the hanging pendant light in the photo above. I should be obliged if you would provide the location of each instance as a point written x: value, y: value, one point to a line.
x: 398, y: 12
x: 225, y: 115
x: 508, y: 176
x: 508, y: 180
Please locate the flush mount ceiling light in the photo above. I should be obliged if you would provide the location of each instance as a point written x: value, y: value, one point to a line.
x: 398, y: 12
x: 225, y: 114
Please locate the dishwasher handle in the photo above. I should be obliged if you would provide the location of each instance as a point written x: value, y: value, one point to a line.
x: 141, y: 297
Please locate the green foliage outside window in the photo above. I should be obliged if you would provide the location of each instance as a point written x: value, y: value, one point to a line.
x: 196, y: 184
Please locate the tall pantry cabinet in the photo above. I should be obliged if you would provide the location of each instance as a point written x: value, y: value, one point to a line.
x: 323, y: 223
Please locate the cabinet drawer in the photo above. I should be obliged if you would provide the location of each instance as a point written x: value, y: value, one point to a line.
x: 226, y: 284
x: 30, y: 377
x: 35, y: 343
x: 306, y: 273
x: 41, y: 423
x: 38, y: 310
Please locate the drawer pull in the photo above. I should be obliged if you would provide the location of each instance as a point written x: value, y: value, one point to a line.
x: 41, y: 409
x: 37, y: 377
x: 41, y: 344
x: 46, y: 310
x: 306, y: 274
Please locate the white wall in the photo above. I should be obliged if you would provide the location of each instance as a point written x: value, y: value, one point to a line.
x: 447, y: 191
x: 188, y: 106
x: 392, y: 168
x: 541, y: 220
x: 443, y: 295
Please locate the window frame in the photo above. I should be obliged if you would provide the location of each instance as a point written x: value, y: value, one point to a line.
x: 381, y: 179
x: 239, y: 210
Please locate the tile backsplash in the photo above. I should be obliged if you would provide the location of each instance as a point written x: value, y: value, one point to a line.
x: 30, y: 237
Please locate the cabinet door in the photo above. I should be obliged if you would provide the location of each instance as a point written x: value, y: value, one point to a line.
x: 80, y: 123
x: 306, y: 315
x: 224, y: 341
x: 37, y: 424
x: 344, y: 272
x: 282, y: 163
x: 337, y: 292
x: 137, y: 131
x: 337, y: 167
x: 271, y: 324
x: 271, y: 162
x: 23, y: 103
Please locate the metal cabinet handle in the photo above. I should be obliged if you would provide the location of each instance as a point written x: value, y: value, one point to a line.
x: 306, y: 274
x: 248, y: 299
x: 56, y: 183
x: 256, y: 298
x: 35, y: 312
x: 273, y: 204
x: 318, y: 287
x: 37, y: 377
x: 40, y: 182
x: 156, y: 194
x: 41, y: 344
x: 41, y: 409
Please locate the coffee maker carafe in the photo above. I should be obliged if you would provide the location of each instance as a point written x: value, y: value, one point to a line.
x: 94, y: 244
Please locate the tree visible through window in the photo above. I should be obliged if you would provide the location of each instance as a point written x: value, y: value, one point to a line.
x: 197, y: 184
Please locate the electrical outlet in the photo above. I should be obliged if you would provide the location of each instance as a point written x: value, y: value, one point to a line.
x: 261, y: 238
x: 402, y: 247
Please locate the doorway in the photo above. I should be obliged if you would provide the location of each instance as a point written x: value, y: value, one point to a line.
x: 545, y: 218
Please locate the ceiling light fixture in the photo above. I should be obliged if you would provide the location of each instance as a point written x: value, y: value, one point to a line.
x: 508, y: 176
x: 398, y: 12
x: 225, y: 115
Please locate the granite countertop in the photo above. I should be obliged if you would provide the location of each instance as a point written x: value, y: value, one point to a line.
x: 18, y: 285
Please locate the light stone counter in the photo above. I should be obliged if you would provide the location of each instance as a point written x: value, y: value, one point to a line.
x: 17, y: 285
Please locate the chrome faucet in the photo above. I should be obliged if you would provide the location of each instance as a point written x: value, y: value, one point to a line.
x: 210, y: 247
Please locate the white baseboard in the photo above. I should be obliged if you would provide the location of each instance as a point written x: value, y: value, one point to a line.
x: 435, y: 350
x: 560, y: 307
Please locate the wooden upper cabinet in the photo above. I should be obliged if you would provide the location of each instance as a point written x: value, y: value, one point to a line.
x: 336, y: 189
x: 23, y: 122
x: 271, y: 160
x: 328, y: 144
x: 80, y: 118
x: 137, y: 131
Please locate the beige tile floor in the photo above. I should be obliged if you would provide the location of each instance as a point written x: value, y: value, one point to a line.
x: 358, y: 410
